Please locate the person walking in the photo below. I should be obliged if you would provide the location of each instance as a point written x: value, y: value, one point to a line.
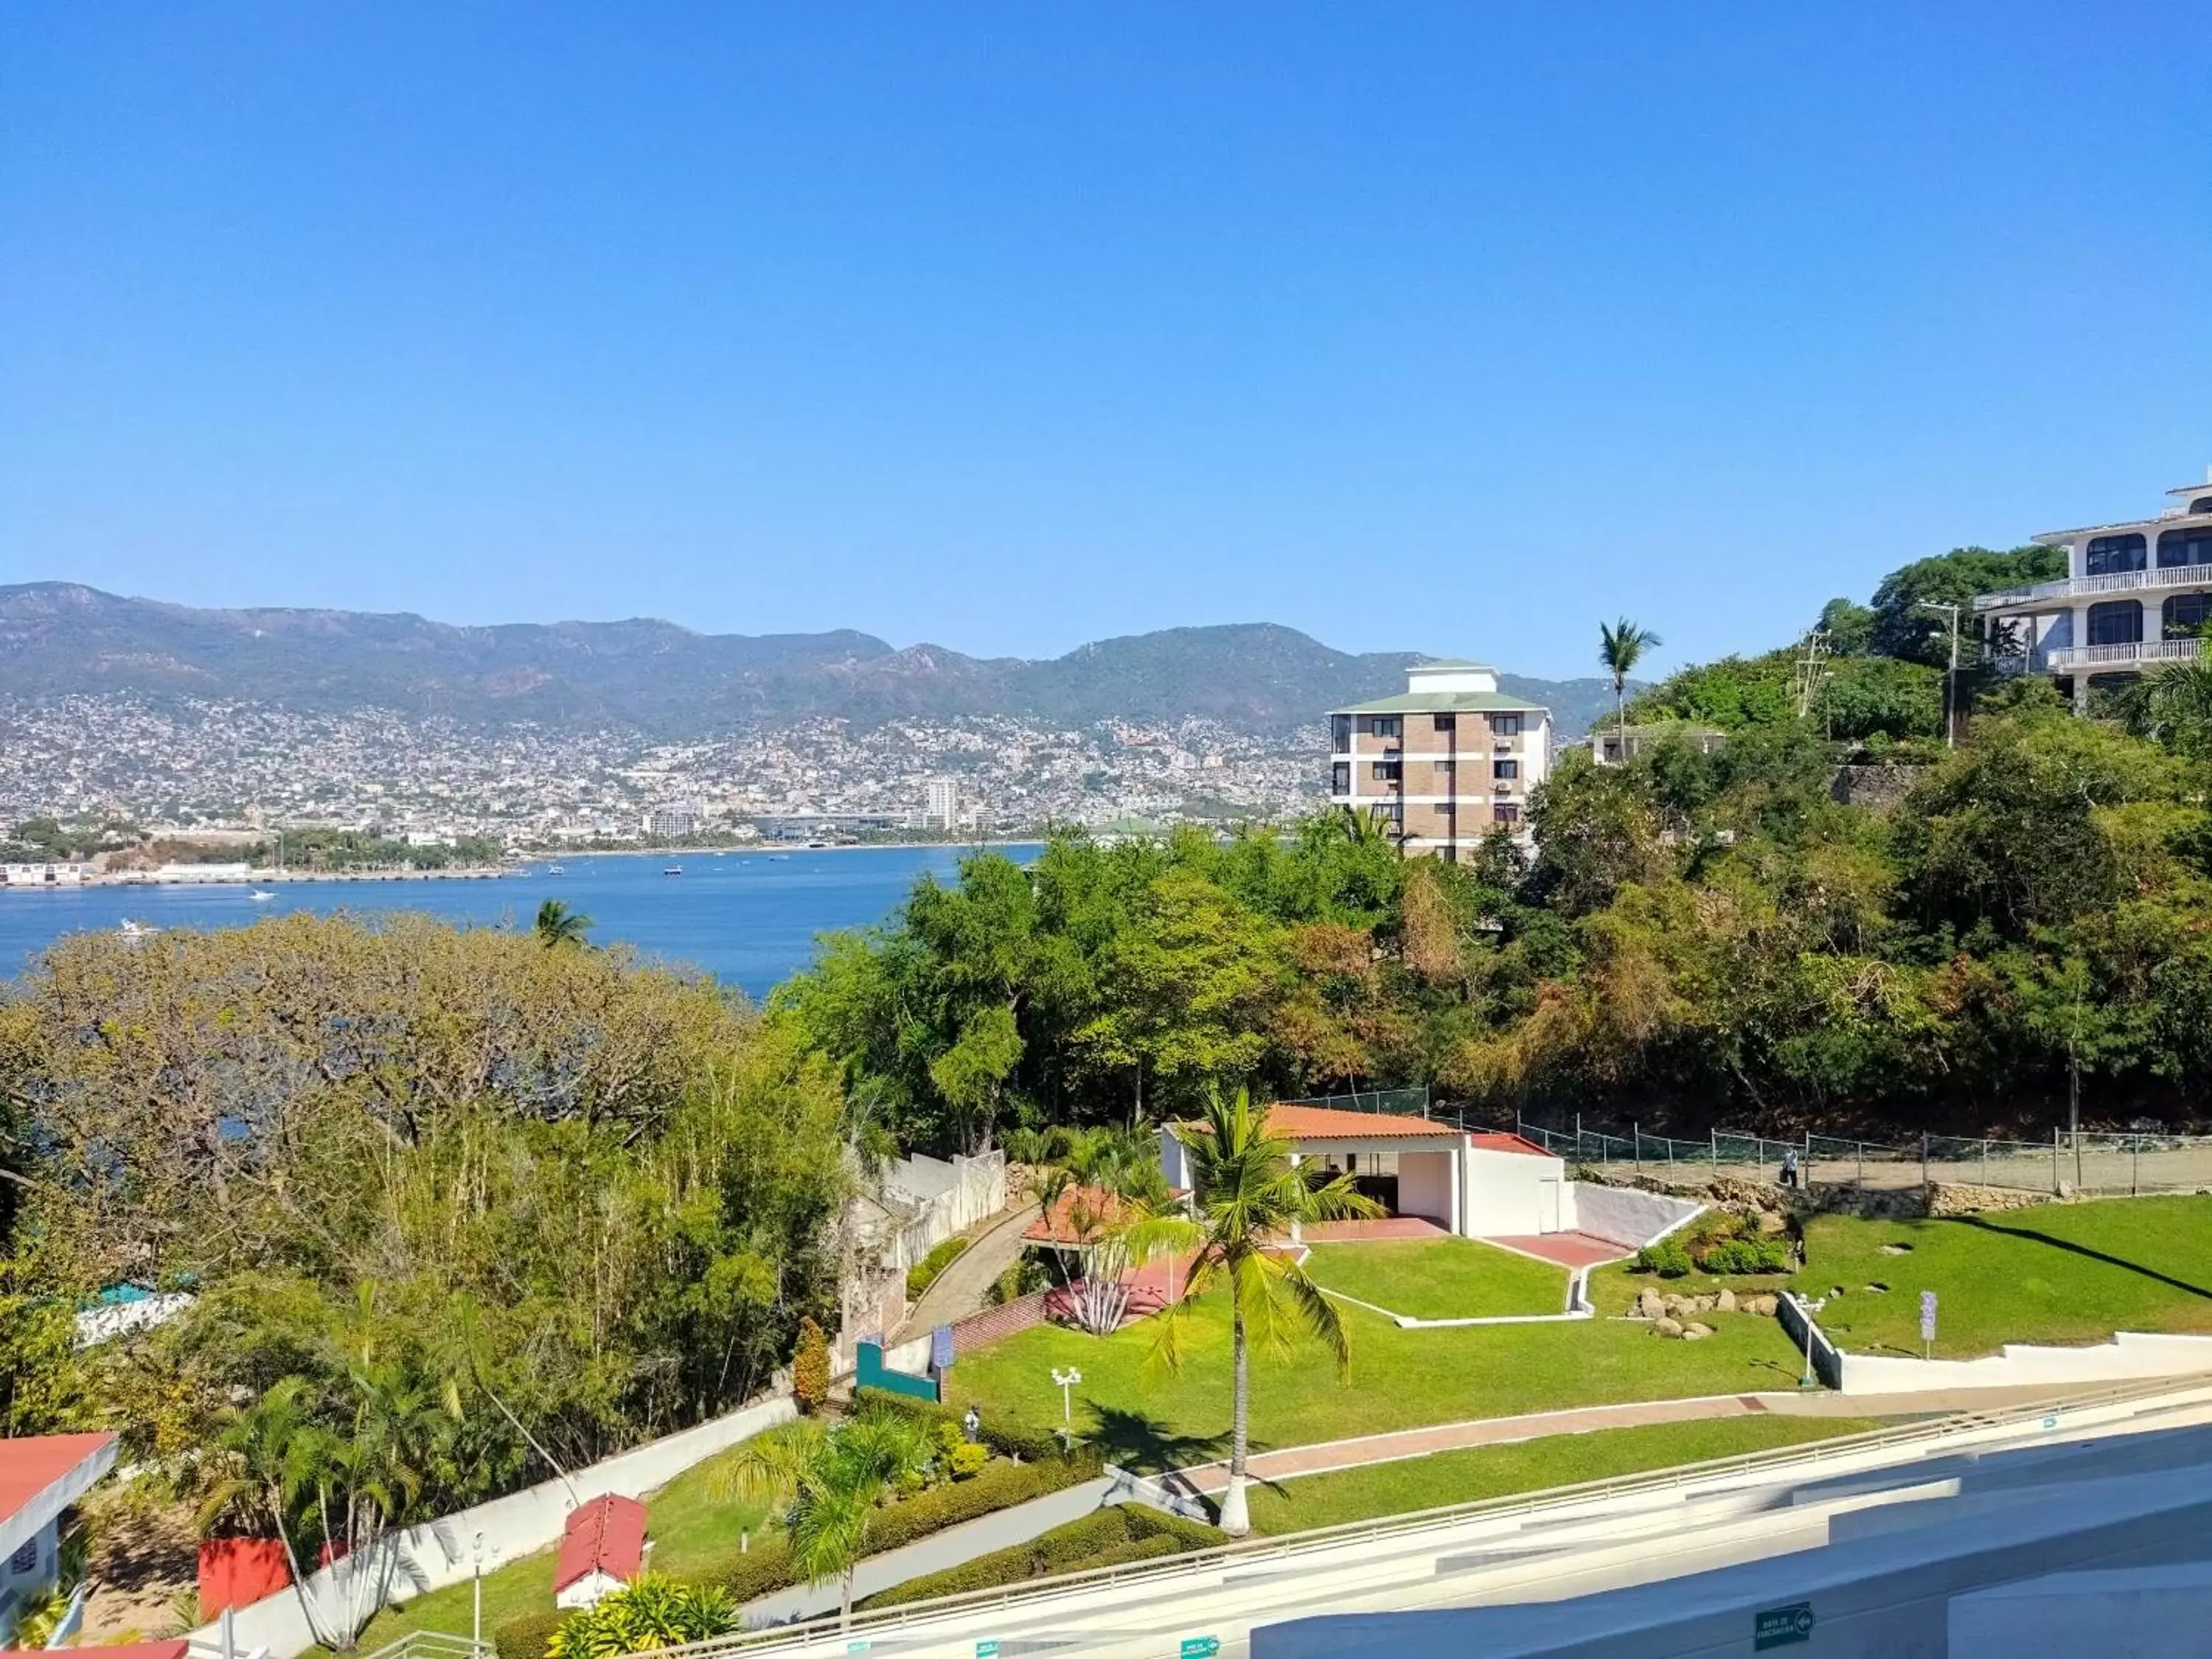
x: 1790, y: 1168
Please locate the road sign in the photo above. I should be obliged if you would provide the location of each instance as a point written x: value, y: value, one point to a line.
x: 1201, y: 1647
x: 1927, y: 1315
x: 986, y: 1650
x: 1779, y: 1627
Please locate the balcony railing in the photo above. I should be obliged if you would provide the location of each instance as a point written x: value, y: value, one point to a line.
x: 2085, y: 588
x: 2070, y: 659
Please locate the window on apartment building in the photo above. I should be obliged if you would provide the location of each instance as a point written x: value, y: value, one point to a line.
x: 2202, y: 504
x: 1339, y: 778
x: 1385, y: 726
x: 1339, y: 732
x: 2116, y: 622
x: 2180, y: 547
x: 1506, y: 769
x: 2108, y: 555
x: 1388, y: 811
x: 1505, y: 726
x: 1388, y: 771
x: 2185, y: 615
x: 1506, y: 812
x: 1444, y: 770
x: 1446, y: 722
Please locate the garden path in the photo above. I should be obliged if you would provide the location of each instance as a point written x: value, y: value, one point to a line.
x: 959, y: 1289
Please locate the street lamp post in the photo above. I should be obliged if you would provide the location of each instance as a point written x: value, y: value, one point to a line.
x: 1951, y: 676
x: 476, y: 1619
x: 1067, y: 1379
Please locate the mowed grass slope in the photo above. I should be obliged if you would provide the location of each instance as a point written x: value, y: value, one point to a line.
x: 1144, y: 1416
x: 1526, y: 1466
x: 1439, y: 1277
x: 2059, y: 1273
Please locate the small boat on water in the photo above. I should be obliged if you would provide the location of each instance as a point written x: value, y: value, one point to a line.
x: 555, y: 870
x: 672, y: 870
x: 133, y: 932
x: 260, y: 897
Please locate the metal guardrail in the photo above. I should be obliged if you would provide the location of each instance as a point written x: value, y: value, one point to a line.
x: 1008, y: 1597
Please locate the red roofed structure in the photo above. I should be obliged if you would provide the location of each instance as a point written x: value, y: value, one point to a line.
x: 176, y: 1648
x: 41, y: 1476
x: 601, y: 1549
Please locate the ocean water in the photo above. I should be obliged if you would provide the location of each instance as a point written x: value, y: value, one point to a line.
x: 747, y: 918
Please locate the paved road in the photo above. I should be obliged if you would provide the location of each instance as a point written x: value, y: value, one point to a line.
x: 959, y: 1289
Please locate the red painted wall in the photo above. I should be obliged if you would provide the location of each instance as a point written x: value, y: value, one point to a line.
x: 235, y: 1571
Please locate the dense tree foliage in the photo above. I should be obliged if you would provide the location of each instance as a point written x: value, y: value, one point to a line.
x: 1698, y: 938
x: 577, y: 1201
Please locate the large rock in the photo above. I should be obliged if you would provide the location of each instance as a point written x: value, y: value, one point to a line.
x: 1771, y: 1223
x: 1692, y: 1333
x: 1650, y: 1303
x: 1665, y: 1326
x: 1762, y: 1303
x: 1725, y: 1301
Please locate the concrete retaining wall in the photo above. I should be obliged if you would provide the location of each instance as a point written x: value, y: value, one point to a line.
x: 442, y: 1552
x: 978, y: 1331
x: 1628, y: 1215
x: 2128, y: 1356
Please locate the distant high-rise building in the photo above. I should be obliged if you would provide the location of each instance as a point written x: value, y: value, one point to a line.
x: 673, y: 822
x: 941, y: 805
x: 1441, y: 766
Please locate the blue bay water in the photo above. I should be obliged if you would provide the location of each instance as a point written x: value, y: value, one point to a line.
x: 748, y: 918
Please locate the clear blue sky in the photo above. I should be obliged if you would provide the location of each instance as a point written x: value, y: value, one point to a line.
x: 1447, y: 328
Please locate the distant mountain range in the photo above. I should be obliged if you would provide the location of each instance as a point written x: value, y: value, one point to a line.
x: 57, y: 638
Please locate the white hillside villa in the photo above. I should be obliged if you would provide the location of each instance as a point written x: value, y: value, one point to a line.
x: 2135, y: 594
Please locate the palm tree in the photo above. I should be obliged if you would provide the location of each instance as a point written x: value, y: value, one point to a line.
x: 2172, y: 704
x: 558, y: 925
x: 1621, y: 647
x: 1115, y: 1176
x: 831, y: 1481
x: 267, y: 1463
x: 1246, y: 1197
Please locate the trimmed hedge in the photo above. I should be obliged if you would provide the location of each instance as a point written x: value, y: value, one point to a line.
x: 1123, y: 1532
x: 1030, y: 1446
x: 1746, y: 1255
x: 767, y: 1568
x: 525, y: 1636
x: 920, y: 1276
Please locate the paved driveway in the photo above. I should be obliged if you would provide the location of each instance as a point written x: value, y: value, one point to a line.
x: 958, y: 1291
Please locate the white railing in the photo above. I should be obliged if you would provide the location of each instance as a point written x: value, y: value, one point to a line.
x: 866, y: 1627
x: 2060, y: 659
x: 2121, y: 581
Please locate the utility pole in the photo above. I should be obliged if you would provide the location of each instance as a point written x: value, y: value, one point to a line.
x: 1951, y: 678
x: 1808, y: 674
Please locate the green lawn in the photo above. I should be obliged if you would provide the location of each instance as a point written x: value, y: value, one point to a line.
x: 1462, y: 1477
x: 1146, y: 1417
x: 691, y: 1530
x: 2060, y: 1273
x: 1440, y: 1278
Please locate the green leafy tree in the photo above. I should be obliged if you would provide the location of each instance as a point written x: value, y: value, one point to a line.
x: 1247, y: 1196
x: 650, y: 1612
x: 1904, y: 627
x: 809, y: 1367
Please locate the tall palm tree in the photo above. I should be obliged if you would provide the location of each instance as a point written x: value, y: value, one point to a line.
x: 558, y: 925
x: 267, y: 1463
x: 2172, y: 704
x: 832, y: 1481
x: 1621, y: 647
x: 1246, y: 1197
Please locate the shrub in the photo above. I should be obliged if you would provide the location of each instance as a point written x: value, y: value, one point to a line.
x: 1747, y: 1255
x: 527, y: 1635
x: 920, y: 1276
x: 1026, y: 1276
x: 967, y: 1459
x: 651, y: 1613
x: 1667, y: 1258
x: 1000, y: 1486
x: 1030, y: 1445
x: 809, y: 1367
x: 1108, y: 1537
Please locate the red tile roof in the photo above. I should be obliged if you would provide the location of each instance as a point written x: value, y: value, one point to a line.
x: 1497, y: 1141
x: 1098, y: 1210
x: 30, y: 1468
x: 605, y: 1535
x: 1333, y: 1123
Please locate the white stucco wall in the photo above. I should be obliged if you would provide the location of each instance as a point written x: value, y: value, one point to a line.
x: 1424, y: 1186
x: 1628, y: 1216
x: 2130, y: 1355
x: 1175, y: 1162
x: 442, y: 1553
x: 1507, y: 1195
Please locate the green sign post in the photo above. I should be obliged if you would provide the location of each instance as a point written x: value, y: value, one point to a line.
x: 1201, y: 1647
x: 1778, y: 1627
x: 986, y: 1650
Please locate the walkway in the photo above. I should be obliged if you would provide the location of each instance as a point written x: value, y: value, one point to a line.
x: 958, y: 1291
x: 1570, y: 1251
x: 1368, y: 1232
x: 1327, y: 1457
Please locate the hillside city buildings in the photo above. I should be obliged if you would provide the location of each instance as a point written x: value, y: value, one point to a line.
x: 2135, y: 594
x: 1444, y: 763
